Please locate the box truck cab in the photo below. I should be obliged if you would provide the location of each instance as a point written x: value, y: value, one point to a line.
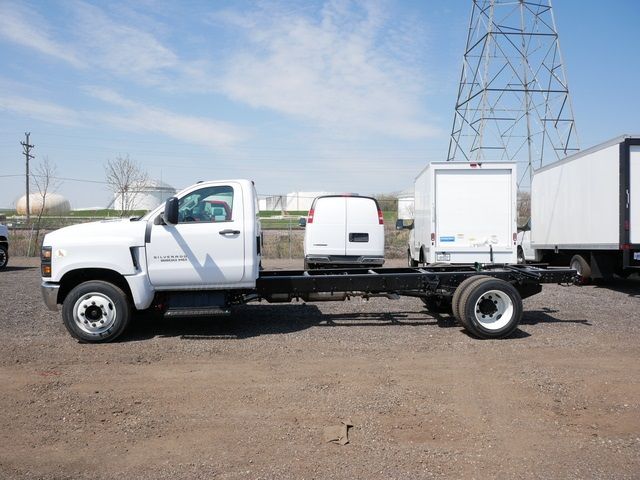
x: 464, y: 213
x: 344, y: 230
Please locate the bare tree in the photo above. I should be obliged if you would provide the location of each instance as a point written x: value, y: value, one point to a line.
x: 46, y: 183
x: 125, y: 179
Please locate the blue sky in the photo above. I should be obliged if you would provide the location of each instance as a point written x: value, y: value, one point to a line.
x: 296, y: 95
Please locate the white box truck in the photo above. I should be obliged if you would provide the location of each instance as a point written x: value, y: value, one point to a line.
x: 585, y: 211
x: 464, y: 213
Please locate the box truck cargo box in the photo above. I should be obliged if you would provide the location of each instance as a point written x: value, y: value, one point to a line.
x: 464, y: 213
x: 585, y: 210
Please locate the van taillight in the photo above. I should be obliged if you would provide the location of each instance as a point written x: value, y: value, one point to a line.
x: 433, y: 238
x: 515, y: 237
x: 310, y: 218
x: 380, y: 217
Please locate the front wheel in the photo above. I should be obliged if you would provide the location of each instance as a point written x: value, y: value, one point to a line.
x: 96, y: 312
x: 492, y: 308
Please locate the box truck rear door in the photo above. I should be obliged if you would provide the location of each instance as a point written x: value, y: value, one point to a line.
x: 474, y: 209
x: 634, y: 194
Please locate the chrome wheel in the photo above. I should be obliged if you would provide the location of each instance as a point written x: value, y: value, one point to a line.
x: 493, y: 310
x: 94, y: 313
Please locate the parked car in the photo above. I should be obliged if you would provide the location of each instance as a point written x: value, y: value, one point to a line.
x: 344, y: 230
x: 4, y: 246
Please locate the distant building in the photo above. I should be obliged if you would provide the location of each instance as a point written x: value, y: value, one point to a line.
x: 291, y: 202
x: 147, y: 196
x: 54, y: 204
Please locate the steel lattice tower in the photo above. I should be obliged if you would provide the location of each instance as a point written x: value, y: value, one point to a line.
x: 513, y: 101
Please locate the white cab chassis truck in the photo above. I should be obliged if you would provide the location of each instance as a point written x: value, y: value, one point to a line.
x: 585, y: 211
x: 199, y: 255
x: 464, y: 213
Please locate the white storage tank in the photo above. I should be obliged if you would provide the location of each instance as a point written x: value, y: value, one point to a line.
x: 147, y: 196
x: 54, y: 204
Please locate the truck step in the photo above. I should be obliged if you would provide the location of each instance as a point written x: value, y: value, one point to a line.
x: 197, y: 312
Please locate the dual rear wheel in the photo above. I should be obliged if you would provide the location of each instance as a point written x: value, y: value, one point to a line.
x: 487, y: 307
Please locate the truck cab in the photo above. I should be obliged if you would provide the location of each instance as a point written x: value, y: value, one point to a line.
x: 206, y: 238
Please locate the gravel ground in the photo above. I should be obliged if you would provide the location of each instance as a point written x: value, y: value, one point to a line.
x: 250, y: 396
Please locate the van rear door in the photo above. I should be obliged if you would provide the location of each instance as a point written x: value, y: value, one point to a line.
x: 327, y: 232
x: 365, y: 234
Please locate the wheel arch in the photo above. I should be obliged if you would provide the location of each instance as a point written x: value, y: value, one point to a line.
x: 73, y: 278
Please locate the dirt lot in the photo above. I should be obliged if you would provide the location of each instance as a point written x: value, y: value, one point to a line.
x: 250, y: 396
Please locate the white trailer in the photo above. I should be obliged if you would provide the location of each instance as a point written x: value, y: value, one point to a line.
x: 585, y: 211
x: 464, y: 213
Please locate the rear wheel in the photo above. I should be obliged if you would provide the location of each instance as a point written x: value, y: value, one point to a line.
x: 491, y: 308
x: 580, y: 265
x: 4, y: 256
x: 457, y: 295
x: 96, y: 312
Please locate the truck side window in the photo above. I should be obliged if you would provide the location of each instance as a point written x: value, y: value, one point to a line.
x: 208, y: 204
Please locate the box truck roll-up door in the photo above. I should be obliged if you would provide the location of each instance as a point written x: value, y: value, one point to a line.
x: 634, y: 194
x: 473, y: 209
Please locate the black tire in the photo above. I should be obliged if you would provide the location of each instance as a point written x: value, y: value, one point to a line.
x: 579, y: 264
x: 4, y: 257
x: 410, y: 261
x: 437, y: 304
x: 521, y: 259
x: 491, y: 308
x: 96, y: 312
x: 455, y: 301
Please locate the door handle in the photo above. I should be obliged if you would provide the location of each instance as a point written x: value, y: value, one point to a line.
x: 229, y: 232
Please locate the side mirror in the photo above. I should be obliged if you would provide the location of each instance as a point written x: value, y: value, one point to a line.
x: 302, y: 222
x: 404, y: 224
x: 170, y: 215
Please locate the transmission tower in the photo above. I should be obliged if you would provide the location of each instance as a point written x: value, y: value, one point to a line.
x: 513, y: 100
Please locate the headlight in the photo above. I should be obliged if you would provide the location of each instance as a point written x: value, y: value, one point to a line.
x: 45, y: 261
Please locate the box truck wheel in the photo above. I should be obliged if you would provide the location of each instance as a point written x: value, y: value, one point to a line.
x: 580, y: 265
x: 410, y: 261
x: 457, y: 295
x: 96, y: 312
x: 491, y: 308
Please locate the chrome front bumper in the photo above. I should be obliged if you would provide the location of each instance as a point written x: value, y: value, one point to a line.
x: 50, y: 295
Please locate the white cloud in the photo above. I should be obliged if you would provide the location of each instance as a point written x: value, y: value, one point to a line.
x: 26, y: 27
x: 123, y: 49
x: 40, y: 110
x: 139, y: 117
x: 339, y: 71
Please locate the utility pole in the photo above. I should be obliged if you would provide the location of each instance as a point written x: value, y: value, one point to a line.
x: 26, y: 147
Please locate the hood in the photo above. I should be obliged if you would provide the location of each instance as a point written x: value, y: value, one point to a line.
x: 106, y: 231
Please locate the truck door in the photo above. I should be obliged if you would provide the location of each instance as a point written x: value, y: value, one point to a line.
x: 634, y: 194
x: 329, y: 225
x: 365, y: 235
x: 206, y: 247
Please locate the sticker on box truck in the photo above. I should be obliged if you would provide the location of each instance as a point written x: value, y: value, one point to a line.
x: 447, y: 239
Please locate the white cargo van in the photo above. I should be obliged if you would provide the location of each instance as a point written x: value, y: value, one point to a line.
x: 344, y: 230
x: 464, y: 213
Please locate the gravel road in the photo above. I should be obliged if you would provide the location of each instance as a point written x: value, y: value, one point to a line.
x: 250, y: 396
